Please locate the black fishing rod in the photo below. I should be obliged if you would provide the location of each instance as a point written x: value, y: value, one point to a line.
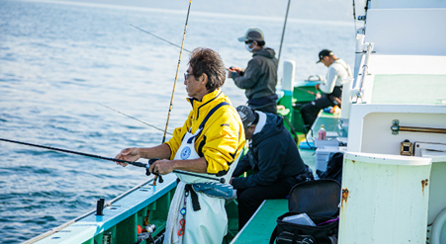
x: 354, y: 15
x: 137, y: 164
x: 283, y: 31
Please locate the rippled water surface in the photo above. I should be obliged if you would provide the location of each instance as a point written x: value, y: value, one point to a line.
x: 60, y: 62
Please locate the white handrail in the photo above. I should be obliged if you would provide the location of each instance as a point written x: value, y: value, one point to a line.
x: 365, y: 68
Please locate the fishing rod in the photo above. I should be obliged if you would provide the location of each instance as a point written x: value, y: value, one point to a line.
x: 354, y: 15
x: 310, y: 92
x: 176, y: 78
x: 131, y: 117
x: 283, y: 31
x: 176, y: 75
x: 137, y: 164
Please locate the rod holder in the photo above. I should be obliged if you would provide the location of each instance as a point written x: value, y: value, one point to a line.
x: 100, y: 207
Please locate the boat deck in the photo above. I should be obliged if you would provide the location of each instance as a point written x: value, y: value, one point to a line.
x: 122, y: 214
x: 262, y: 223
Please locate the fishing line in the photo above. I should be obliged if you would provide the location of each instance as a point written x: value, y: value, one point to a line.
x: 131, y: 117
x: 283, y: 31
x: 160, y: 38
x: 137, y: 164
x: 148, y: 32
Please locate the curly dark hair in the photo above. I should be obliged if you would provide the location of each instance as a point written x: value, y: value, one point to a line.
x: 205, y: 60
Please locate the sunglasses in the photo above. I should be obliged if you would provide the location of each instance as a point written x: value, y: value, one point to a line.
x: 249, y: 42
x: 186, y: 75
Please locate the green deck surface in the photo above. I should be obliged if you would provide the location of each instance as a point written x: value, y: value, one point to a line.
x: 262, y: 224
x: 259, y: 228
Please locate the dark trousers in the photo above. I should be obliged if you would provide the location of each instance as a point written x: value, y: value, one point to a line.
x: 310, y: 110
x: 250, y: 199
x: 266, y: 104
x: 269, y: 108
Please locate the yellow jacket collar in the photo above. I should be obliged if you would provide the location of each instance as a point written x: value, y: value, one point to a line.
x: 207, y: 98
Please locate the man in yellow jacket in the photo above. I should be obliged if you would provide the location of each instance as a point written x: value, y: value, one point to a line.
x: 209, y: 143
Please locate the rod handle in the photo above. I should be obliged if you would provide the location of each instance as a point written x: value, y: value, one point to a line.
x: 151, y: 161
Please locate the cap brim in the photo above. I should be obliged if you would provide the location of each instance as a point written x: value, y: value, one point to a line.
x: 241, y: 39
x: 318, y: 61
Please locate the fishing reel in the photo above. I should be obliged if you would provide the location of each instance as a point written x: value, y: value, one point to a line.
x: 151, y: 161
x: 146, y: 235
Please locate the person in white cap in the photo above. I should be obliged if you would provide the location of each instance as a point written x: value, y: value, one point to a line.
x: 259, y: 79
x: 337, y: 75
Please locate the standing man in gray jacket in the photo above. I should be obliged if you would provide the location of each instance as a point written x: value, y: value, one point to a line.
x: 259, y: 79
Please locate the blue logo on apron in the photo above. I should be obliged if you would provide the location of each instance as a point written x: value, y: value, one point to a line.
x: 185, y: 153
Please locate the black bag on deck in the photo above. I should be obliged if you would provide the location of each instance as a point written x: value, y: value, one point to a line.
x: 319, y: 199
x: 334, y: 168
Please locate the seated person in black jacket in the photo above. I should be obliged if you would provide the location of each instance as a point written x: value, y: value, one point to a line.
x: 274, y: 157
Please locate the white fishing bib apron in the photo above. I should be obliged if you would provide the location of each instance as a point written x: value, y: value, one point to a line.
x: 207, y: 225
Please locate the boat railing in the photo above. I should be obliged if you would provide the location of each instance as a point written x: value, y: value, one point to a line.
x: 365, y: 67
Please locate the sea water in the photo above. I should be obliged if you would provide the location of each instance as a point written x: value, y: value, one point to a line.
x: 60, y: 62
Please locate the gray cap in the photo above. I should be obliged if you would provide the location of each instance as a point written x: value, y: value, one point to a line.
x: 247, y: 115
x: 253, y: 34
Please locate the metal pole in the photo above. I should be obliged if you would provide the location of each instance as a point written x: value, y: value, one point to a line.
x: 422, y: 129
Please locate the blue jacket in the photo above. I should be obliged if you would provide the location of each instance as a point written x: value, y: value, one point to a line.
x: 272, y: 154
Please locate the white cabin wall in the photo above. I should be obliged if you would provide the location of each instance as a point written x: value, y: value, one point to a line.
x: 369, y: 127
x: 407, y: 32
x: 378, y: 138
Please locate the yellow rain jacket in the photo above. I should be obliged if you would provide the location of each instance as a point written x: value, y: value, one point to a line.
x: 222, y: 138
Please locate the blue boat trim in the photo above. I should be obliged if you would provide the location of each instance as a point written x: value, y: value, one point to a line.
x: 92, y: 225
